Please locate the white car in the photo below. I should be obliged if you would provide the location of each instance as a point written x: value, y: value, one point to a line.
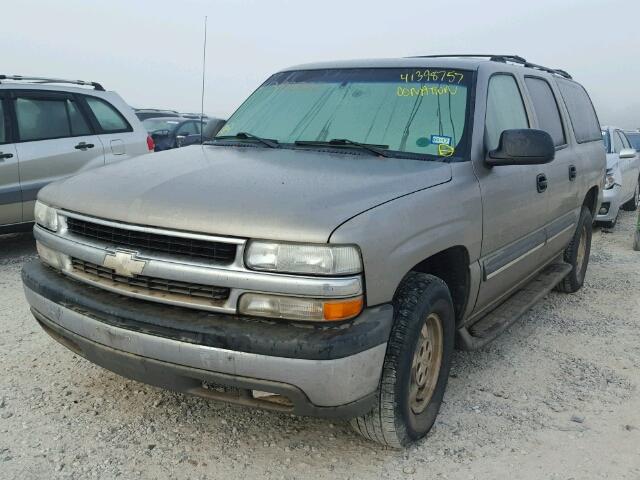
x: 622, y: 181
x: 49, y: 131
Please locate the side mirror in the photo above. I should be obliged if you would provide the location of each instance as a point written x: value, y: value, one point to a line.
x: 522, y: 147
x: 627, y: 153
x: 180, y: 139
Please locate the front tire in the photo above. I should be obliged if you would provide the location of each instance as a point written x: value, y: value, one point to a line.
x: 416, y: 366
x: 577, y: 254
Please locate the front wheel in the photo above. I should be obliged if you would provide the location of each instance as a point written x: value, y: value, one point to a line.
x: 577, y: 254
x: 416, y: 365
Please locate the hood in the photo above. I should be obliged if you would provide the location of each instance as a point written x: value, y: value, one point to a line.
x: 278, y: 194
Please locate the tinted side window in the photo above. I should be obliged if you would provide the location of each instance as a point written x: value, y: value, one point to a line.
x: 634, y: 139
x: 505, y: 109
x: 546, y: 107
x: 625, y: 140
x: 581, y: 112
x: 189, y: 128
x: 109, y: 119
x: 45, y: 118
x: 3, y: 125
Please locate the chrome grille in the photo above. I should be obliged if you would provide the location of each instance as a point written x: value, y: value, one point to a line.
x: 99, y: 273
x: 153, y: 242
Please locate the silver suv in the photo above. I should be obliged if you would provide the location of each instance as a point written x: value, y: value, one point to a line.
x: 349, y: 225
x: 49, y: 131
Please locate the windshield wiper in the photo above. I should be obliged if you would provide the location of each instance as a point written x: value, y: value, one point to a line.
x: 246, y: 135
x: 345, y: 142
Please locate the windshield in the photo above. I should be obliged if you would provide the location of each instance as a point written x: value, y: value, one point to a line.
x: 634, y: 139
x: 155, y: 124
x: 417, y: 111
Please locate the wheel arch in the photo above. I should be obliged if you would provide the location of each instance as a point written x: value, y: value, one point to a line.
x: 452, y: 267
x: 591, y: 201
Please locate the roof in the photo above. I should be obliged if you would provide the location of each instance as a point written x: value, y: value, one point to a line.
x: 462, y: 62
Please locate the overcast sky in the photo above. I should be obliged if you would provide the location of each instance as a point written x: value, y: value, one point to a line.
x: 150, y: 52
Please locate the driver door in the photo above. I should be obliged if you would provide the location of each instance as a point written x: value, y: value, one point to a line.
x: 514, y: 202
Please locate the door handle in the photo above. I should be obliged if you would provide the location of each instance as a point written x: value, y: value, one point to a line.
x: 5, y: 155
x: 541, y: 182
x: 573, y: 172
x: 83, y: 146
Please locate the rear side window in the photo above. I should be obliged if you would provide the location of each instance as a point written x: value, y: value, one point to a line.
x: 546, y: 108
x: 45, y: 118
x: 505, y: 109
x: 3, y: 125
x: 581, y: 112
x: 109, y: 119
x: 634, y: 138
x: 625, y: 140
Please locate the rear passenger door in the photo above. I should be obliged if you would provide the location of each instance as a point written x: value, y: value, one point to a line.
x: 55, y: 141
x: 10, y: 195
x: 113, y: 130
x: 514, y: 212
x: 562, y: 172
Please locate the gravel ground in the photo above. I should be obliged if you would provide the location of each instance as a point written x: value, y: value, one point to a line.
x: 556, y: 396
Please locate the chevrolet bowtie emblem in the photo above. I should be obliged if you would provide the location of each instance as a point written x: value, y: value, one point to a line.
x: 124, y: 263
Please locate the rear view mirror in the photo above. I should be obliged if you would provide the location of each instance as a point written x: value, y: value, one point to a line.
x: 522, y: 147
x: 627, y: 153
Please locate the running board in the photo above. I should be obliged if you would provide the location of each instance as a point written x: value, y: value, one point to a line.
x: 495, y: 322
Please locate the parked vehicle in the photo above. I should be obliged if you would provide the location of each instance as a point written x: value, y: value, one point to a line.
x: 145, y: 113
x: 169, y: 132
x: 178, y: 132
x: 622, y: 180
x: 347, y: 225
x: 50, y: 130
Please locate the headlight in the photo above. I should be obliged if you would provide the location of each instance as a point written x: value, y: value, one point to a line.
x: 320, y: 259
x: 298, y: 308
x: 609, y: 179
x: 46, y: 216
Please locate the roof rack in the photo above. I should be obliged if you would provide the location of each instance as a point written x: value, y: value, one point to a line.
x: 155, y: 110
x: 504, y: 59
x: 95, y: 85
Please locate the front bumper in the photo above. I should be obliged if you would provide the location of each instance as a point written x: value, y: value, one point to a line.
x: 331, y: 370
x: 612, y: 197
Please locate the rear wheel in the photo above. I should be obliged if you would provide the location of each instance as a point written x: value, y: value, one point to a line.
x: 632, y: 205
x: 577, y: 254
x: 416, y: 366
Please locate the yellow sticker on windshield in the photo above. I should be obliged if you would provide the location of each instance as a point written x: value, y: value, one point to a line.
x: 445, y: 150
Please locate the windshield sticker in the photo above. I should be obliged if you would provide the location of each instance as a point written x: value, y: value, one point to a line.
x: 440, y: 140
x: 426, y: 90
x: 423, y: 142
x: 432, y: 76
x: 445, y: 150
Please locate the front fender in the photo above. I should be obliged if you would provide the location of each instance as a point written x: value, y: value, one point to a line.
x: 398, y: 235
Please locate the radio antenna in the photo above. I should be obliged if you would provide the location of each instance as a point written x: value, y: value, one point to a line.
x: 204, y: 65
